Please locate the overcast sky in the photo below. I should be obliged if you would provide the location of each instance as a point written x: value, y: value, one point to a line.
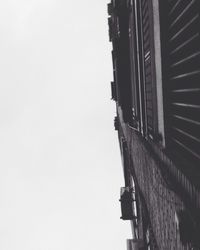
x: 60, y: 166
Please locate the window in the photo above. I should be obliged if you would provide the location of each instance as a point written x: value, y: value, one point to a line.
x: 147, y: 54
x: 121, y: 60
x: 181, y: 62
x: 137, y: 84
x: 145, y: 68
x: 135, y: 70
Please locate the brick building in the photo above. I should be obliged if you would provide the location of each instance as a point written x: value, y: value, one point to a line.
x: 156, y: 87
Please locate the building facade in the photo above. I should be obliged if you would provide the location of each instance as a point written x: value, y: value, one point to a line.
x: 156, y: 87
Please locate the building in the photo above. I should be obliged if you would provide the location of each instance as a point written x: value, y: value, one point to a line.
x: 156, y: 87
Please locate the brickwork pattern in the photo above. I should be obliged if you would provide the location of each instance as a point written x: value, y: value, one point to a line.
x: 162, y: 203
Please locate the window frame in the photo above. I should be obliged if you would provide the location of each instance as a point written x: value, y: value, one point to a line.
x: 139, y: 84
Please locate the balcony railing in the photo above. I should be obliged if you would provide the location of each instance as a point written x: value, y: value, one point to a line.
x: 126, y: 199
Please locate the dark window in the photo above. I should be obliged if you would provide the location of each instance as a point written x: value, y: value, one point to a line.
x: 135, y: 69
x: 125, y: 162
x: 141, y: 33
x: 181, y: 66
x: 147, y: 34
x: 113, y: 91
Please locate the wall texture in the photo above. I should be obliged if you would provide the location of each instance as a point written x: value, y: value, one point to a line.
x: 165, y: 190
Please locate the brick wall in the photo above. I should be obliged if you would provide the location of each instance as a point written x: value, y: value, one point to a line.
x: 164, y: 188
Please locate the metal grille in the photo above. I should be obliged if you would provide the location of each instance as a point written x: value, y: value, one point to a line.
x: 183, y: 80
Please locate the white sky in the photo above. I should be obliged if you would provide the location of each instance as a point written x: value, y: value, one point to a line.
x: 60, y: 166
